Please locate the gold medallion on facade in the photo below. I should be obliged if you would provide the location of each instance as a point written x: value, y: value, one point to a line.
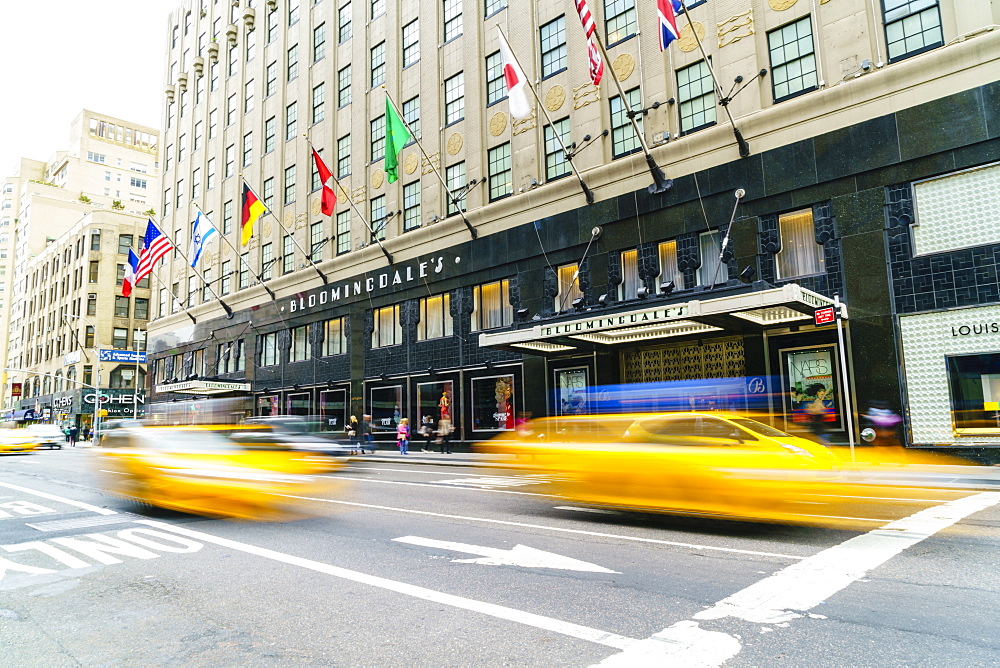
x: 623, y: 66
x: 454, y: 144
x: 317, y: 206
x: 555, y: 97
x: 498, y: 123
x: 781, y: 5
x: 266, y: 227
x: 687, y: 42
x: 410, y: 163
x: 289, y: 219
x: 226, y: 249
x: 378, y: 176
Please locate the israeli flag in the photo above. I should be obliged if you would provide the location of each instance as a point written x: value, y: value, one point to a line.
x: 200, y: 234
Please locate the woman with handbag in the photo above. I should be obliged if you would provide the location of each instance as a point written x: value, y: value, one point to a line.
x: 353, y: 431
x: 403, y: 435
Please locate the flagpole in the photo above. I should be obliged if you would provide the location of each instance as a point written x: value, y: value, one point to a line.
x: 437, y: 172
x: 661, y: 183
x: 586, y: 191
x: 740, y: 141
x: 308, y: 256
x: 239, y: 255
x: 229, y: 311
x: 350, y: 201
x: 156, y: 275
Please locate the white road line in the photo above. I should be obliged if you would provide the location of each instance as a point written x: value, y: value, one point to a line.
x: 450, y: 474
x: 549, y: 528
x: 116, y: 472
x: 439, y: 486
x: 61, y: 499
x: 596, y: 511
x: 491, y: 609
x: 795, y: 589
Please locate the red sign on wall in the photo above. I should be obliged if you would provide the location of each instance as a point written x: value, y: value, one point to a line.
x: 15, y: 389
x: 824, y: 316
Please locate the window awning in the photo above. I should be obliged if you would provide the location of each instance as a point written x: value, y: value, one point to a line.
x: 737, y: 313
x: 22, y: 414
x: 203, y: 387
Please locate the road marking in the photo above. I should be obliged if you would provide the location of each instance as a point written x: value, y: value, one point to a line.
x: 491, y: 609
x: 519, y: 555
x: 115, y: 472
x: 81, y: 522
x: 796, y: 589
x: 596, y: 511
x: 498, y: 481
x: 420, y: 470
x: 438, y: 485
x: 598, y: 534
x: 60, y: 499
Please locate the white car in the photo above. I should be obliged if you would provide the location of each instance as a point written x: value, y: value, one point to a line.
x: 46, y: 435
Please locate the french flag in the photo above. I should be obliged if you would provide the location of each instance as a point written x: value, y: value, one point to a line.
x: 129, y: 280
x: 668, y: 9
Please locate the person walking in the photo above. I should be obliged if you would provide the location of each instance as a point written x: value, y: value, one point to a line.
x: 353, y: 431
x: 365, y: 436
x: 403, y: 435
x: 444, y: 436
x: 74, y: 431
x: 427, y: 431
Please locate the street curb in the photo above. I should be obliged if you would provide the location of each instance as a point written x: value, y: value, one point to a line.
x: 398, y: 459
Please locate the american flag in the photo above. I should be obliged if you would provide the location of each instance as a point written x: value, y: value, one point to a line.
x: 154, y: 246
x: 593, y: 53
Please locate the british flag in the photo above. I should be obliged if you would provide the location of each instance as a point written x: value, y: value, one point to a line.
x: 667, y: 10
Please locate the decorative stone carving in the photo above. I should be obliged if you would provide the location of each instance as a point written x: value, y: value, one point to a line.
x: 289, y: 218
x: 686, y: 42
x: 360, y: 195
x: 555, y: 97
x: 317, y: 206
x: 455, y: 142
x: 524, y: 124
x: 498, y: 123
x: 430, y: 163
x: 410, y: 163
x: 301, y: 220
x: 585, y: 94
x: 781, y: 5
x: 266, y: 227
x: 623, y: 66
x: 378, y: 177
x: 735, y: 28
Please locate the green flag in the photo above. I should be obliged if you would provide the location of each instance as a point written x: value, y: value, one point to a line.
x: 396, y: 137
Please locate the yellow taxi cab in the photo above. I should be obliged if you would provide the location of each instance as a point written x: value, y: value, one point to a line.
x: 200, y: 470
x: 16, y: 440
x: 720, y: 464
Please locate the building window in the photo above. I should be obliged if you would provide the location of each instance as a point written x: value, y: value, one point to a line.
x: 378, y: 8
x: 553, y: 36
x: 455, y: 176
x: 231, y: 110
x: 793, y: 60
x: 568, y: 276
x: 291, y: 114
x: 88, y: 337
x: 411, y: 206
x: 344, y: 23
x: 696, y: 97
x: 911, y: 27
x: 318, y: 98
x: 266, y: 261
x: 452, y: 19
x: 141, y: 309
x: 619, y: 19
x: 94, y: 269
x: 711, y: 272
x: 293, y: 12
x: 334, y: 337
x: 92, y: 305
x: 210, y: 175
x: 387, y: 330
x: 378, y: 138
x: 411, y: 42
x: 289, y: 184
x: 316, y: 242
x: 800, y: 255
x: 411, y: 114
x: 248, y: 149
x: 299, y: 350
x: 270, y: 130
x: 293, y: 62
x: 213, y: 123
x: 226, y: 285
x: 378, y: 218
x: 343, y: 232
x: 227, y: 217
x: 268, y: 349
x: 248, y: 95
x: 119, y: 338
x: 237, y: 355
x: 95, y: 240
x: 435, y: 317
x: 494, y: 6
x: 378, y: 65
x: 623, y: 137
x: 496, y: 88
x: 629, y: 287
x: 556, y: 164
x: 271, y: 79
x: 206, y: 294
x: 454, y: 98
x: 669, y: 271
x: 121, y: 306
x: 501, y: 179
x: 287, y: 254
x: 491, y: 306
x: 344, y: 156
x: 230, y: 167
x: 244, y: 275
x: 319, y: 42
x: 344, y: 86
x: 139, y: 342
x: 124, y: 243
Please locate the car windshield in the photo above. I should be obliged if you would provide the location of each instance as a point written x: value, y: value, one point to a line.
x: 186, y: 441
x: 760, y: 428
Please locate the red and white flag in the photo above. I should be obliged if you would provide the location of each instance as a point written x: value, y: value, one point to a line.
x: 328, y: 199
x: 593, y: 53
x: 513, y: 76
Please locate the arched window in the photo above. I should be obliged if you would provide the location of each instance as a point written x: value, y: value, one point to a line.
x: 59, y: 382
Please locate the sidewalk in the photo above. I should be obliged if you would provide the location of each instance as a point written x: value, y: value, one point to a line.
x: 434, y: 458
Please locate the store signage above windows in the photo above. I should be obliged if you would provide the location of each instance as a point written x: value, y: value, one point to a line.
x: 115, y: 399
x: 975, y: 330
x: 370, y: 286
x: 71, y: 358
x: 647, y: 317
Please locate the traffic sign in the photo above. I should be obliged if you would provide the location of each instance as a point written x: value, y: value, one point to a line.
x: 825, y: 315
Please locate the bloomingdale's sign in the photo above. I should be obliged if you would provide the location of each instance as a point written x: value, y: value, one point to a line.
x: 647, y: 317
x: 390, y: 277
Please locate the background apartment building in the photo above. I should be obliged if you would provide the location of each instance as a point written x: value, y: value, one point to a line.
x: 69, y: 218
x: 841, y: 103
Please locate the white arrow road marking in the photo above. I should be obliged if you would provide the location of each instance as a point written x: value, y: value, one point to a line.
x: 499, y: 611
x: 519, y: 555
x: 795, y: 589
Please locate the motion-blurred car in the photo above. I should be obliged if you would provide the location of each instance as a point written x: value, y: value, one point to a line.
x: 46, y: 435
x: 292, y: 433
x: 107, y: 426
x: 16, y: 440
x: 719, y: 464
x: 200, y: 470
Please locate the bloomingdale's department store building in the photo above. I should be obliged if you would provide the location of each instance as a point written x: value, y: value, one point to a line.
x: 481, y: 330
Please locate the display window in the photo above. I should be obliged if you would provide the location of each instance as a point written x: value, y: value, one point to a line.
x: 493, y: 402
x: 386, y: 409
x: 571, y: 391
x: 436, y: 401
x: 298, y: 404
x: 333, y: 409
x: 267, y: 406
x: 811, y: 394
x: 974, y: 385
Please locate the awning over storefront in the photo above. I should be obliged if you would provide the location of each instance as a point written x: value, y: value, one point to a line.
x: 203, y: 388
x: 748, y: 311
x: 22, y: 415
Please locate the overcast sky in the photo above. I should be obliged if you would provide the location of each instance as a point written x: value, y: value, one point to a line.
x: 60, y: 56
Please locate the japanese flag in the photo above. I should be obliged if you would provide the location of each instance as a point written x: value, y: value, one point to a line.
x: 513, y: 76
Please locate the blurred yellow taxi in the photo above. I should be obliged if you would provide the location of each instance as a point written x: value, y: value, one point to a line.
x: 200, y: 470
x: 719, y: 464
x: 16, y: 440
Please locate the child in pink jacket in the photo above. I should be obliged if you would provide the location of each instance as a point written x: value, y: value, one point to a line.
x: 403, y: 435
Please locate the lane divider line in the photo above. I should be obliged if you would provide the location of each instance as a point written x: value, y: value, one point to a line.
x: 61, y: 499
x: 440, y: 486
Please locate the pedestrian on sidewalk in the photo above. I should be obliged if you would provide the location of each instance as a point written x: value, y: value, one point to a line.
x: 444, y: 435
x: 353, y: 431
x: 74, y: 431
x: 403, y: 435
x: 365, y: 434
x: 427, y: 431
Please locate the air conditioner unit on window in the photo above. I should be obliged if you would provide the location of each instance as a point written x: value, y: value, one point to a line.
x: 91, y: 295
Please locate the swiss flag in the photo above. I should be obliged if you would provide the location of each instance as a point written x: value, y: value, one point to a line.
x: 329, y: 198
x: 513, y: 76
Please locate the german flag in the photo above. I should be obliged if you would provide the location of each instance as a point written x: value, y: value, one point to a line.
x: 253, y: 209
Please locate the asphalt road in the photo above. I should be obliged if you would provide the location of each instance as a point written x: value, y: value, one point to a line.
x: 416, y: 565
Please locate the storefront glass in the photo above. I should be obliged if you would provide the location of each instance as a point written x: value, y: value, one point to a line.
x: 571, y: 391
x: 267, y: 406
x: 333, y: 408
x: 811, y: 378
x: 436, y: 400
x: 493, y: 403
x: 298, y: 404
x: 386, y: 410
x: 974, y: 382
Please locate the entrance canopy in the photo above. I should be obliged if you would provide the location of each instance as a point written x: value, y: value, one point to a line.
x: 203, y: 388
x: 744, y: 312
